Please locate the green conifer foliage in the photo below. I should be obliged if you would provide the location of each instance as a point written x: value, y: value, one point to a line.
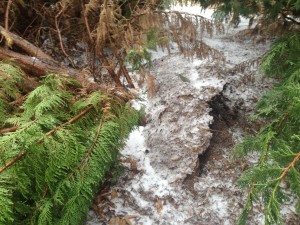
x: 276, y: 177
x: 52, y: 165
x: 270, y: 8
x: 11, y: 81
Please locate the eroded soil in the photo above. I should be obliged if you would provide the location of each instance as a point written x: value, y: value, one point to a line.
x: 179, y: 167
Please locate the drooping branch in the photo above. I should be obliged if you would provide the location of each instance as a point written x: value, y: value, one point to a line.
x: 103, y: 59
x: 292, y: 164
x: 122, y: 66
x: 13, y: 161
x: 23, y: 153
x: 57, y: 18
x: 67, y: 123
x: 93, y: 144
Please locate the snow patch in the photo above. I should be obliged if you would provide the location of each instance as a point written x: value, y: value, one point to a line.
x: 166, y: 150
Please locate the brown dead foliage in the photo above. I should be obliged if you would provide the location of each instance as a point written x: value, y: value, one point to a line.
x: 108, y: 29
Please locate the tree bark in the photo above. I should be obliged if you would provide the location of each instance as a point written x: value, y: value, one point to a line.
x: 36, y: 66
x: 26, y: 46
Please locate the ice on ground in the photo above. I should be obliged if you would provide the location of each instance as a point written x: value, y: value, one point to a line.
x: 160, y: 189
x: 149, y: 180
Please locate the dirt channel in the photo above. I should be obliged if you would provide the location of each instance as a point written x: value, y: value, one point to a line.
x: 179, y: 167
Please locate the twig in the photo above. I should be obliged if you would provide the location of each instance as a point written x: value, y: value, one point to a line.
x: 11, y: 162
x: 85, y: 15
x: 7, y: 14
x: 105, y: 110
x: 6, y: 17
x: 57, y: 17
x: 20, y: 155
x: 67, y: 123
x: 93, y: 144
x: 87, y: 23
x: 122, y: 67
x: 10, y: 129
x: 85, y: 159
x: 289, y: 166
x: 284, y: 116
x: 109, y: 69
x: 18, y: 101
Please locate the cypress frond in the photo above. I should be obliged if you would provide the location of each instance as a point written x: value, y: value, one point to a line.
x: 11, y: 80
x: 45, y: 213
x: 242, y: 220
x: 92, y: 99
x: 57, y: 158
x: 281, y: 59
x: 6, y: 203
x: 273, y: 198
x: 278, y: 142
x: 11, y: 84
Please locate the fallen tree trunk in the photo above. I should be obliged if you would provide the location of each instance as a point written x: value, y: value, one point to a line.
x: 26, y: 46
x: 36, y: 62
x: 35, y: 65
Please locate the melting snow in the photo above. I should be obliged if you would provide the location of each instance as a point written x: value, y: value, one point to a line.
x: 156, y: 191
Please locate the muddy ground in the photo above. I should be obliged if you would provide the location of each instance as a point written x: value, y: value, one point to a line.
x: 179, y: 167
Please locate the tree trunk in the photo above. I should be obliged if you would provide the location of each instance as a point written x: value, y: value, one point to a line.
x: 26, y: 46
x: 33, y: 65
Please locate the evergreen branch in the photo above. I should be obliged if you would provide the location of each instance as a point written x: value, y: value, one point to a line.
x: 264, y: 157
x: 284, y: 116
x: 93, y: 144
x: 289, y: 166
x: 273, y: 203
x: 13, y: 161
x: 247, y: 206
x: 67, y: 123
x: 105, y: 111
x: 20, y: 155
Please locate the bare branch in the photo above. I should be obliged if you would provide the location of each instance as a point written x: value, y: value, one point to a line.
x: 57, y: 17
x: 7, y: 14
x: 10, y: 129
